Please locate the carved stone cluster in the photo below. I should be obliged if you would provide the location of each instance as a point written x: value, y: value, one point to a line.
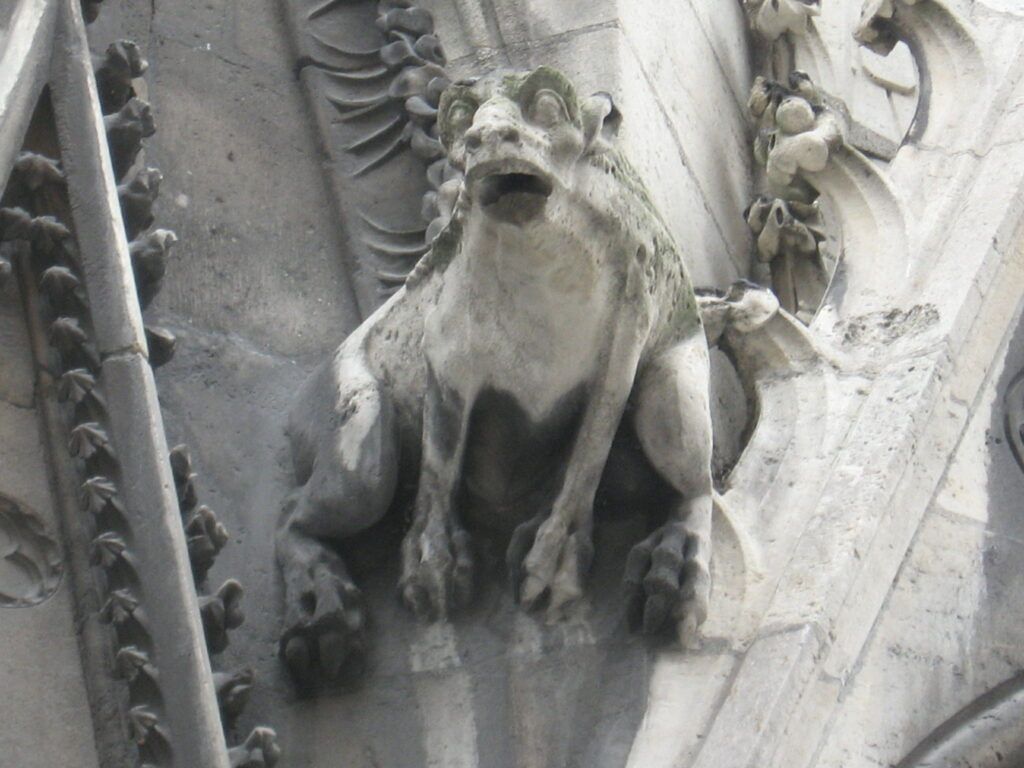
x: 220, y: 610
x: 796, y: 134
x: 774, y: 18
x: 796, y: 131
x: 401, y: 114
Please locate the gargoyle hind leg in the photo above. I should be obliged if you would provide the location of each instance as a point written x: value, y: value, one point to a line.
x: 437, y: 560
x: 667, y: 573
x: 353, y: 447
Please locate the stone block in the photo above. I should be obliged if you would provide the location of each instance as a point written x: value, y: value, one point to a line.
x: 23, y: 461
x: 523, y: 21
x: 725, y: 26
x: 44, y: 710
x: 935, y: 646
x: 17, y: 373
x: 273, y: 242
x: 680, y: 708
x: 708, y: 124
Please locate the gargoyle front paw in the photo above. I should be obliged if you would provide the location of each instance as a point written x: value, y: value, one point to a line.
x: 668, y: 577
x: 437, y: 569
x: 324, y: 629
x: 546, y: 559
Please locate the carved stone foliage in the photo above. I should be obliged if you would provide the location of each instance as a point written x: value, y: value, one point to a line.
x: 796, y: 132
x: 51, y: 256
x: 259, y: 750
x: 59, y: 234
x: 30, y: 562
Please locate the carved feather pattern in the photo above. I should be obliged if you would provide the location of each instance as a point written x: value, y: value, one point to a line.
x: 381, y: 102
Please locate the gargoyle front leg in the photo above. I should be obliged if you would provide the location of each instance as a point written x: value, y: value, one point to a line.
x: 668, y: 572
x: 437, y: 560
x: 560, y: 546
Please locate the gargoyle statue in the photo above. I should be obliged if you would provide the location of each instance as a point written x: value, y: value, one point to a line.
x: 553, y: 303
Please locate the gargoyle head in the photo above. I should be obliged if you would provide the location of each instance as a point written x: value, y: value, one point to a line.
x: 517, y: 137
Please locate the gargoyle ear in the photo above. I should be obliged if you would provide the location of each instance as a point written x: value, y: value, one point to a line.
x: 601, y: 120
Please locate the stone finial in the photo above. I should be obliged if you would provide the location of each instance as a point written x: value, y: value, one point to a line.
x: 774, y: 18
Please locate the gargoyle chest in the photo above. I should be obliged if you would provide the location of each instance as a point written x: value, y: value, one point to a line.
x: 532, y: 323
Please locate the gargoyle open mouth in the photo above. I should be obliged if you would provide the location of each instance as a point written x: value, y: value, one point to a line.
x: 514, y: 198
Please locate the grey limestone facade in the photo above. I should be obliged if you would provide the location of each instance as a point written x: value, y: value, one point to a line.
x: 511, y: 383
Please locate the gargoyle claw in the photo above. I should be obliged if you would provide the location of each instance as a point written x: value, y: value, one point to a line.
x: 324, y: 633
x: 437, y: 569
x: 553, y: 567
x: 668, y: 579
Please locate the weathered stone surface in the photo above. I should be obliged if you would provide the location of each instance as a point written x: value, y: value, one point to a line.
x: 867, y: 576
x: 16, y: 374
x: 44, y: 710
x: 273, y: 241
x: 949, y: 630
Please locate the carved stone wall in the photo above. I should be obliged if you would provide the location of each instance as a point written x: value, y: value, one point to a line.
x: 863, y: 160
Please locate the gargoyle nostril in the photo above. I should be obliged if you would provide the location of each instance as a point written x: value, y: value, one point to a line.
x: 493, y: 135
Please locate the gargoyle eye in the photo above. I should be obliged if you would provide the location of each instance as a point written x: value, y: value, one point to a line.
x: 548, y: 109
x: 459, y: 117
